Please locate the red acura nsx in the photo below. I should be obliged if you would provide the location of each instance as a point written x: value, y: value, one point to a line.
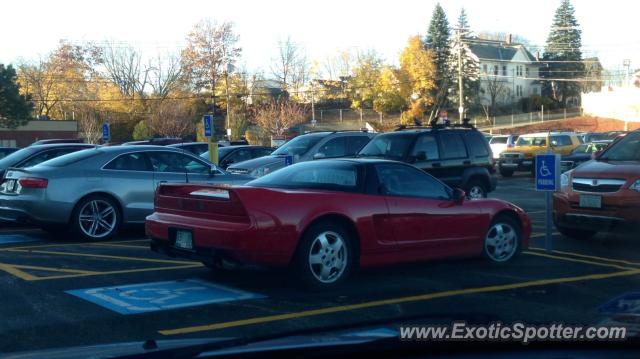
x: 326, y: 218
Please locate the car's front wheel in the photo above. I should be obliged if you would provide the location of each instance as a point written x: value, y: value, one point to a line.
x: 96, y: 218
x: 324, y: 258
x: 503, y: 240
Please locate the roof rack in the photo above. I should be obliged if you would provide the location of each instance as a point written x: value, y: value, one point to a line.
x: 436, y: 126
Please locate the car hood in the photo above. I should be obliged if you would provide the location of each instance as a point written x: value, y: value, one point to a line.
x: 608, y: 169
x: 259, y: 162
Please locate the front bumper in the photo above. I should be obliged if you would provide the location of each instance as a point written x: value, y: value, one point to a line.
x: 516, y: 164
x: 619, y: 209
x: 235, y: 242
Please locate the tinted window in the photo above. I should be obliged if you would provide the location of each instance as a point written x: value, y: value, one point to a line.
x: 477, y: 144
x: 46, y: 155
x: 399, y: 180
x: 169, y: 162
x: 532, y: 141
x: 390, y: 146
x: 334, y: 148
x: 129, y: 162
x: 197, y: 149
x: 355, y: 144
x: 239, y: 155
x: 499, y: 140
x: 560, y: 140
x: 452, y: 146
x: 299, y: 145
x: 626, y: 149
x: 428, y: 145
x: 16, y: 157
x: 581, y: 149
x: 329, y: 175
x: 259, y: 152
x: 76, y: 156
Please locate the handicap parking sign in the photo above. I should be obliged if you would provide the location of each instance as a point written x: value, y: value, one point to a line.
x: 149, y: 297
x: 547, y: 172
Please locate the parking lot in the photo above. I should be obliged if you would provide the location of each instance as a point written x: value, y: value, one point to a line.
x: 57, y: 292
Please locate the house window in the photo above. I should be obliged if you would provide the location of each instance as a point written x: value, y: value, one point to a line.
x: 484, y: 68
x: 526, y: 72
x: 495, y: 69
x: 504, y: 71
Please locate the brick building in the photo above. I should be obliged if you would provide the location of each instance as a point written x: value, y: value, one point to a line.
x: 37, y: 130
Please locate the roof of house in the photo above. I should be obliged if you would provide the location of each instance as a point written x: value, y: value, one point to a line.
x: 496, y: 50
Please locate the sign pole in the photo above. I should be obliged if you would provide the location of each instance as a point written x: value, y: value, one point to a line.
x: 208, y: 133
x: 548, y: 240
x: 547, y: 170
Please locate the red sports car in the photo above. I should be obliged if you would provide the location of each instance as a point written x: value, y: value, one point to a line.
x: 326, y: 218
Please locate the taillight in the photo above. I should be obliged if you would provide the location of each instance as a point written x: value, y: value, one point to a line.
x: 28, y: 182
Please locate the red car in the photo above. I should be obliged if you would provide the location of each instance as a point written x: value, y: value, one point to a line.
x: 326, y: 218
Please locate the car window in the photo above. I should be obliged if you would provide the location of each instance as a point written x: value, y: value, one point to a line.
x: 335, y: 147
x: 452, y: 146
x: 197, y: 149
x: 129, y: 162
x: 477, y: 144
x: 46, y: 155
x: 499, y: 140
x: 564, y: 141
x: 170, y: 162
x: 391, y: 146
x: 532, y: 141
x: 626, y: 149
x: 239, y: 155
x: 355, y: 144
x: 400, y: 180
x: 329, y: 175
x: 427, y: 144
x: 299, y: 145
x: 259, y: 152
x: 581, y: 149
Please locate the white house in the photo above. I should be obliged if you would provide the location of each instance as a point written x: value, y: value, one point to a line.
x: 508, y: 71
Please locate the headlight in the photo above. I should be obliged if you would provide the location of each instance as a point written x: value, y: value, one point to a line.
x: 635, y: 186
x: 564, y: 180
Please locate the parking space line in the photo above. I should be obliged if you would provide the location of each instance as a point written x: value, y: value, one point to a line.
x: 16, y: 272
x: 123, y: 271
x: 541, y: 234
x: 604, y: 259
x: 101, y: 256
x: 52, y: 269
x: 577, y: 260
x: 70, y: 244
x: 392, y: 301
x: 115, y: 245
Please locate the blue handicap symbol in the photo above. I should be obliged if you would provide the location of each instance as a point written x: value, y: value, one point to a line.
x: 149, y: 297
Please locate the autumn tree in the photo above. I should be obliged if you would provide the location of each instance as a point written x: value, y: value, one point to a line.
x: 15, y: 109
x: 172, y: 118
x: 390, y: 96
x: 338, y: 66
x: 290, y: 67
x: 416, y: 63
x: 361, y: 87
x: 278, y: 115
x: 210, y: 54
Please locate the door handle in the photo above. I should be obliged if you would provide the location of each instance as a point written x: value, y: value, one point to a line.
x: 437, y: 164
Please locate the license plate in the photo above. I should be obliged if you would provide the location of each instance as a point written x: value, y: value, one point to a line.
x: 526, y: 163
x: 590, y: 201
x: 184, y: 239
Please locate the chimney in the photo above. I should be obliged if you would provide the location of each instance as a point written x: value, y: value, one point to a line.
x: 508, y: 39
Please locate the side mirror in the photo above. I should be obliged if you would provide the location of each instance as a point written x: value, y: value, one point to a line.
x: 319, y: 156
x: 421, y: 156
x: 459, y: 195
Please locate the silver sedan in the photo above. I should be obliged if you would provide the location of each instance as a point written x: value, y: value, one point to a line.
x: 93, y: 192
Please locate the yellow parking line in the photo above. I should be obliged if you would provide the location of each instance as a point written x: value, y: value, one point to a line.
x: 542, y: 234
x: 119, y: 245
x: 577, y: 260
x: 16, y: 272
x: 392, y: 301
x: 123, y: 271
x: 53, y: 269
x: 604, y: 259
x: 70, y: 244
x: 101, y: 256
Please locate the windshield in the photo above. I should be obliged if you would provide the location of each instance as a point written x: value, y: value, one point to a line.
x: 16, y: 157
x: 299, y: 145
x: 417, y: 164
x: 531, y: 141
x: 391, y: 146
x: 627, y: 149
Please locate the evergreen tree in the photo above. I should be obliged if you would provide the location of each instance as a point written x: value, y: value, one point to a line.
x: 439, y: 43
x: 15, y: 109
x: 470, y: 65
x: 562, y: 51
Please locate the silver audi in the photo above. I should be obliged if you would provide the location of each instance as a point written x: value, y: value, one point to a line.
x: 93, y: 192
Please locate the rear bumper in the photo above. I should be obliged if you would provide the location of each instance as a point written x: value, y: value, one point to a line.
x: 236, y: 242
x: 618, y: 210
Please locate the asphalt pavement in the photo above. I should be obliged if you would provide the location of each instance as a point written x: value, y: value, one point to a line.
x: 58, y: 292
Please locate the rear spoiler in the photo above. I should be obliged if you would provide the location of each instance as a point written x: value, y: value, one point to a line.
x: 219, y: 191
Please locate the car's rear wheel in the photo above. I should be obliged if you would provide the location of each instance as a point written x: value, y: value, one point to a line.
x: 324, y: 258
x: 575, y: 233
x: 503, y: 240
x: 96, y: 218
x: 506, y: 173
x: 476, y: 189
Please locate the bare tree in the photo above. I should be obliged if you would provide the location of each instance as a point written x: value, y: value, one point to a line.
x: 210, y: 53
x: 122, y: 65
x: 290, y: 67
x: 90, y: 126
x: 339, y: 65
x: 166, y: 75
x: 495, y: 89
x: 172, y: 118
x: 277, y: 116
x: 40, y: 80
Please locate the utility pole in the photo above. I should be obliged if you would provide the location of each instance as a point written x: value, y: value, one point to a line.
x: 627, y: 64
x: 460, y: 85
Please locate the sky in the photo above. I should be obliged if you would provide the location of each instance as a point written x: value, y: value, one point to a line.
x: 30, y: 29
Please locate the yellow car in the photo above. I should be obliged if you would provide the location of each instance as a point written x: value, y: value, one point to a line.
x: 521, y: 156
